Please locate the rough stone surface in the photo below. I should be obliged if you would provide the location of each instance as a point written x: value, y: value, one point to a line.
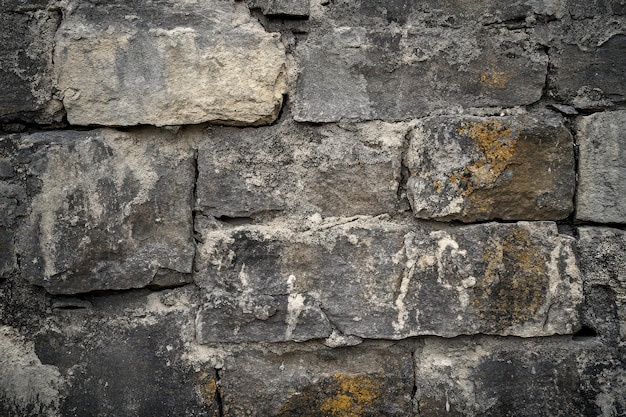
x: 601, y: 195
x: 109, y: 210
x: 394, y: 73
x: 386, y: 280
x: 473, y: 169
x: 603, y: 259
x: 26, y: 70
x: 335, y: 170
x: 496, y: 377
x: 168, y: 63
x: 282, y: 8
x: 591, y: 77
x: 370, y: 382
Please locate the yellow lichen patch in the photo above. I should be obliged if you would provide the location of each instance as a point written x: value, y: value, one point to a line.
x: 515, y: 281
x: 209, y: 390
x: 354, y: 395
x: 495, y: 79
x: 496, y: 144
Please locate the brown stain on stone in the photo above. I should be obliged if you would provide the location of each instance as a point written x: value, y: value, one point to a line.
x: 515, y: 281
x: 343, y: 395
x: 496, y: 144
x: 495, y: 79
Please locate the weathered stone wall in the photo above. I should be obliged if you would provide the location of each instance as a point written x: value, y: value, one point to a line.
x: 313, y: 208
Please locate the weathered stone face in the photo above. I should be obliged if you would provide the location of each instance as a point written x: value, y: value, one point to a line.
x: 112, y: 210
x: 387, y: 280
x: 601, y: 193
x: 332, y: 170
x: 128, y: 63
x: 591, y: 77
x: 494, y: 377
x: 602, y: 252
x: 473, y: 168
x: 356, y: 72
x: 281, y: 8
x: 26, y: 72
x: 326, y: 383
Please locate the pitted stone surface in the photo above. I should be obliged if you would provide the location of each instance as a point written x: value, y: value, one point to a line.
x: 334, y: 170
x: 387, y: 280
x: 474, y: 169
x: 601, y: 195
x: 112, y: 210
x: 282, y: 8
x: 129, y: 62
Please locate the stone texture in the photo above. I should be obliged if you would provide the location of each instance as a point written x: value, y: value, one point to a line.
x: 482, y: 168
x: 348, y: 383
x: 498, y: 377
x: 26, y: 70
x: 109, y: 209
x: 602, y: 253
x: 601, y: 194
x: 591, y: 76
x: 398, y: 73
x: 376, y: 279
x: 281, y: 8
x: 334, y: 170
x: 167, y: 63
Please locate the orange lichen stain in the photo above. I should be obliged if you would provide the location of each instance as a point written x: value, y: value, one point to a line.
x: 209, y: 390
x: 353, y: 397
x: 514, y: 284
x: 496, y: 143
x: 495, y: 79
x: 437, y: 186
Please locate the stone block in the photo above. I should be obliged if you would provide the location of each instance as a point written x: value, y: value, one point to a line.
x: 481, y: 168
x: 334, y: 170
x: 398, y: 73
x: 281, y: 8
x: 602, y: 253
x: 593, y: 77
x: 377, y: 279
x: 168, y: 63
x: 358, y: 382
x: 111, y: 210
x: 26, y: 69
x: 500, y: 377
x: 601, y: 193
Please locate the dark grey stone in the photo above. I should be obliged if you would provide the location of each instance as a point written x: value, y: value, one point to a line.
x: 348, y: 382
x: 26, y: 70
x: 391, y: 74
x: 376, y: 279
x: 111, y: 211
x: 282, y: 8
x: 482, y: 168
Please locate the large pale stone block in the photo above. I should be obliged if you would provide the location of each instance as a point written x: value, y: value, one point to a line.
x: 334, y: 170
x: 601, y: 194
x: 111, y: 210
x: 366, y: 382
x: 377, y: 279
x: 481, y: 168
x: 168, y: 63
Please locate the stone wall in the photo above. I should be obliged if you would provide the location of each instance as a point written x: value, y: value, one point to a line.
x: 313, y: 208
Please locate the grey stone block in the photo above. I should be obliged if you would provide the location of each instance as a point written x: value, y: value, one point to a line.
x: 501, y: 377
x: 482, y: 168
x: 26, y: 70
x: 399, y: 73
x: 364, y: 382
x: 592, y: 77
x: 111, y: 210
x: 601, y: 193
x: 334, y: 170
x: 377, y: 279
x: 286, y: 8
x: 126, y: 63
